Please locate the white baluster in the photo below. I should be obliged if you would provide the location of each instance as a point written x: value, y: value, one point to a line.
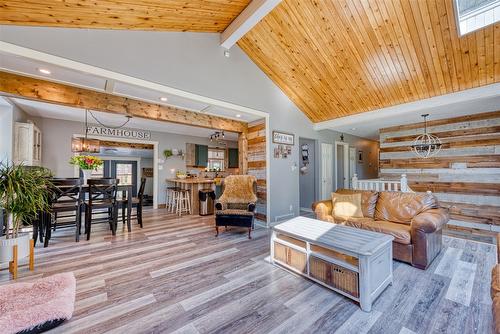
x: 355, y: 181
x: 404, y: 183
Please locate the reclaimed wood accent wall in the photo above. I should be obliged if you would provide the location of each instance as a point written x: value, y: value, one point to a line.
x: 464, y: 175
x: 257, y: 164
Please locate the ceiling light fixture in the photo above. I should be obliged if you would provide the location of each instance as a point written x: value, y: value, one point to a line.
x: 426, y: 145
x: 164, y: 99
x: 128, y: 118
x: 217, y: 135
x: 44, y: 71
x: 85, y: 145
x: 238, y: 115
x: 227, y: 54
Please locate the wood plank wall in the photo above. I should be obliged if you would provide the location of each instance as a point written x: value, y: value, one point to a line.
x: 464, y: 175
x: 257, y: 164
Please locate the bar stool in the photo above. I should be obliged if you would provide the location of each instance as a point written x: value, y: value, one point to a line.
x: 170, y: 202
x: 182, y: 201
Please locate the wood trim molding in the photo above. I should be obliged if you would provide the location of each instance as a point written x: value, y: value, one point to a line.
x: 46, y: 91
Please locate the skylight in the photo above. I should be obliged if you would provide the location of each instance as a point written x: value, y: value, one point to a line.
x: 476, y: 14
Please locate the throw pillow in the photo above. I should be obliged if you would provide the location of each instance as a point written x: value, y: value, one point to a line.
x: 347, y: 205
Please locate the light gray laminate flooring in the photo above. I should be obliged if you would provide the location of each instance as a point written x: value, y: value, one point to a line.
x: 174, y: 276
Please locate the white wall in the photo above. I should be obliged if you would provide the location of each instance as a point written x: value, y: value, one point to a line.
x: 9, y: 115
x: 193, y: 62
x: 56, y: 149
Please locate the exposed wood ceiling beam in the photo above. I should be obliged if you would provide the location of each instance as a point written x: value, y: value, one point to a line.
x: 247, y: 19
x: 41, y: 90
x: 109, y: 143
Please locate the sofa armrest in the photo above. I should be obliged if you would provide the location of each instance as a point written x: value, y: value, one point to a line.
x: 498, y: 247
x: 431, y: 220
x: 323, y: 209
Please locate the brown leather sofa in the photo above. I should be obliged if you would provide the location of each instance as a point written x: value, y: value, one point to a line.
x: 415, y: 220
x: 495, y: 290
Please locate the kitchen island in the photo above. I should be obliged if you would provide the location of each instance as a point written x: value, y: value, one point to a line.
x: 194, y: 185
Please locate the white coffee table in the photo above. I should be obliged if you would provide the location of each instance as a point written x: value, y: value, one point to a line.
x: 353, y: 262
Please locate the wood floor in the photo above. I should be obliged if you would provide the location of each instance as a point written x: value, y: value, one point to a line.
x: 174, y: 276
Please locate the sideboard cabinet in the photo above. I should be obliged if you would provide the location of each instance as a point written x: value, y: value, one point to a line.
x: 27, y: 144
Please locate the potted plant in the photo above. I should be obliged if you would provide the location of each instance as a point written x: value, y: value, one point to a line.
x: 87, y: 164
x: 168, y: 153
x: 23, y: 193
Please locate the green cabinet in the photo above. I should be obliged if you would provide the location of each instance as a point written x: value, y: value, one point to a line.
x: 233, y: 160
x: 196, y: 155
x: 201, y: 155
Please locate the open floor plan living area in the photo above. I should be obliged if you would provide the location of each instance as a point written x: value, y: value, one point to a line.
x: 250, y: 166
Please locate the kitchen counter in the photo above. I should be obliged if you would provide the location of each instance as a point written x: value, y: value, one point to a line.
x: 191, y: 180
x: 194, y: 185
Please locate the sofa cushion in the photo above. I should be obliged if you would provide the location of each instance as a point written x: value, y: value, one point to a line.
x: 368, y: 200
x: 351, y: 221
x: 346, y: 205
x: 400, y: 232
x: 401, y: 207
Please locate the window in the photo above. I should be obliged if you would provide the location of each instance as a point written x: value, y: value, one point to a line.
x: 476, y: 14
x: 216, y: 159
x: 124, y: 173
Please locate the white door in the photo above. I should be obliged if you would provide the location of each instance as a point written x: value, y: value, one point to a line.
x: 326, y: 170
x: 341, y: 165
x: 352, y: 164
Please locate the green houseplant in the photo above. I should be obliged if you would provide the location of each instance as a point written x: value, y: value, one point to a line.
x: 24, y: 191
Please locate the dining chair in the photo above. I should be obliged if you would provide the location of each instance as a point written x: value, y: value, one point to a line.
x: 101, y: 195
x: 66, y: 197
x: 137, y: 201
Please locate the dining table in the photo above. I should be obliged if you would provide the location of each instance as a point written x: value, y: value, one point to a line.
x: 43, y: 228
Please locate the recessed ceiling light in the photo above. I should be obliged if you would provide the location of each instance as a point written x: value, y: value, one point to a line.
x: 353, y: 129
x: 164, y: 99
x: 44, y: 71
x: 238, y: 115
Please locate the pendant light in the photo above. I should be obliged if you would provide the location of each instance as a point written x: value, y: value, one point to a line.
x: 85, y: 145
x: 426, y: 145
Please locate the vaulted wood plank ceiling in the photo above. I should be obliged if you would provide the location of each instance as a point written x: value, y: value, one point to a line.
x: 169, y: 15
x: 335, y: 57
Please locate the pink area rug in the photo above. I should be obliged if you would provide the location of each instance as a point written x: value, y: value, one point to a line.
x: 38, y: 306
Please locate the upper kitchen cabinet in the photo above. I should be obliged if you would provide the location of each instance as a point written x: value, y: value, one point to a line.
x: 233, y: 160
x: 196, y: 155
x: 27, y: 144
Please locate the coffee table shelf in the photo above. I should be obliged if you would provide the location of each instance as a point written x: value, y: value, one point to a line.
x: 353, y: 262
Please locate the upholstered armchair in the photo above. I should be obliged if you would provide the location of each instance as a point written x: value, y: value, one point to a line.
x: 236, y: 206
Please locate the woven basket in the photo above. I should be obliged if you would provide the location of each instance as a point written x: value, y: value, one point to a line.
x: 290, y: 257
x: 335, y: 276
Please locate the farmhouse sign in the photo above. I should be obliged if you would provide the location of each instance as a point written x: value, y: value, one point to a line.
x: 123, y: 133
x: 283, y: 138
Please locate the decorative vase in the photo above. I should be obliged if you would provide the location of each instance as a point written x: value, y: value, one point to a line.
x: 87, y: 173
x: 6, y: 247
